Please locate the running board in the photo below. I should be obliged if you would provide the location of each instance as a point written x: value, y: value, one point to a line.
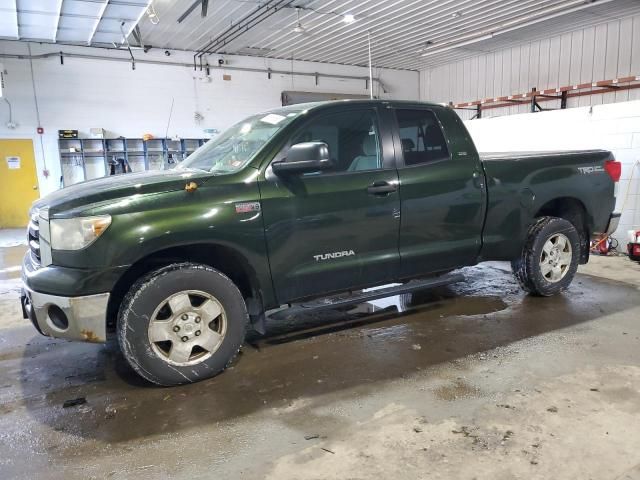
x: 341, y: 301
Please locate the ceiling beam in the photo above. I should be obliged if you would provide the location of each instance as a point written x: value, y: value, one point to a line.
x: 15, y: 14
x: 193, y: 6
x: 57, y: 21
x: 95, y: 25
x: 135, y: 23
x: 74, y: 15
x: 122, y: 3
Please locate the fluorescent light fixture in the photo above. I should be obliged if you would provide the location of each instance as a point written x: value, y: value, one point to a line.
x: 515, y: 24
x: 451, y: 46
x: 348, y: 18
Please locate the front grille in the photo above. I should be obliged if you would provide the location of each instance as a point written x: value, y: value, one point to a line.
x: 33, y: 237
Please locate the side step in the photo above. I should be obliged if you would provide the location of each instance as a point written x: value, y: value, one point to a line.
x: 344, y: 300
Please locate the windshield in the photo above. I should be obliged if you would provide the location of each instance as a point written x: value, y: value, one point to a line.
x: 234, y: 148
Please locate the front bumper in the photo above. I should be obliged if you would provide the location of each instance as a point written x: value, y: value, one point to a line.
x: 73, y: 318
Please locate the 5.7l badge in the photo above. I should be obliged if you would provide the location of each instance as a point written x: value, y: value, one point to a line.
x: 246, y: 207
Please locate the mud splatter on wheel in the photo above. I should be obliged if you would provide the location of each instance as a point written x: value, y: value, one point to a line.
x: 182, y: 323
x: 549, y: 258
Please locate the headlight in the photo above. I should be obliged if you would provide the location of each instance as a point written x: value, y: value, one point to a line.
x: 77, y: 233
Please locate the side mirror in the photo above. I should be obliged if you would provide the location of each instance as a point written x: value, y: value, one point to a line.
x: 304, y: 157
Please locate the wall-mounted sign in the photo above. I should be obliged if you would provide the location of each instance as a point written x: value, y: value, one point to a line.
x: 13, y: 163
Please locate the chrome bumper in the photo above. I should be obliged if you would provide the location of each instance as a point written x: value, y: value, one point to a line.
x: 73, y: 318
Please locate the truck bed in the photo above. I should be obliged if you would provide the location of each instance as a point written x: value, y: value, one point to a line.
x: 520, y: 184
x: 546, y: 154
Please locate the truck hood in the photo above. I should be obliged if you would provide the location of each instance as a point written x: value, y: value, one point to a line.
x: 119, y: 186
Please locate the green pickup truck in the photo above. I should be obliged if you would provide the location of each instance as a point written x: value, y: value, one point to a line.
x: 303, y: 207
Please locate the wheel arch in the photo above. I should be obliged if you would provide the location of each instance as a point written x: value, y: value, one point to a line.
x: 223, y: 258
x: 574, y: 211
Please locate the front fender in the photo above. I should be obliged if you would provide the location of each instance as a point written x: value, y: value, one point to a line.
x: 215, y: 213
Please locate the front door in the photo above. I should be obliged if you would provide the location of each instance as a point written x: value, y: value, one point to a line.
x: 335, y: 230
x: 18, y: 182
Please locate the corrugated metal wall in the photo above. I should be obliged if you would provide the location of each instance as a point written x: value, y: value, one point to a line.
x: 602, y: 52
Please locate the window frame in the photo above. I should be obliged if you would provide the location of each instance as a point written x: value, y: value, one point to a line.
x: 386, y: 154
x: 398, y: 140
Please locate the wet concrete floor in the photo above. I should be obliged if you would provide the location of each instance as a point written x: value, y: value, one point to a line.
x: 474, y: 380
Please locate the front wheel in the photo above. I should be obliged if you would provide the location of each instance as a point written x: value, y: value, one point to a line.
x: 181, y: 324
x: 549, y: 258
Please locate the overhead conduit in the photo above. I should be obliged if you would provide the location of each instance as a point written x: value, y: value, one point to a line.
x: 267, y: 71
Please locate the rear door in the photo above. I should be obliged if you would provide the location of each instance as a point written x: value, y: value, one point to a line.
x: 442, y: 191
x: 335, y: 230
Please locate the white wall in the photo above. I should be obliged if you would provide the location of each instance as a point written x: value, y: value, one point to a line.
x: 95, y: 93
x: 603, y: 52
x: 614, y: 127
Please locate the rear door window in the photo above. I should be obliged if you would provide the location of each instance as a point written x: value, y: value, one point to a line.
x: 421, y: 137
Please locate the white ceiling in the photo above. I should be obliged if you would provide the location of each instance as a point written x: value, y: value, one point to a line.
x: 81, y: 22
x: 407, y: 34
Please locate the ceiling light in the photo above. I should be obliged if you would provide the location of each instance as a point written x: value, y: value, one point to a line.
x: 152, y: 15
x: 348, y: 18
x: 299, y: 28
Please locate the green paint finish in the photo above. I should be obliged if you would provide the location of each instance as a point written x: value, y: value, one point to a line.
x: 305, y: 235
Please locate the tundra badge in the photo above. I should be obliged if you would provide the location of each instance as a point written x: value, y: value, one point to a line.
x: 327, y: 256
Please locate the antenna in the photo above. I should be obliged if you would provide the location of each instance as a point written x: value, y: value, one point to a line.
x: 370, y: 66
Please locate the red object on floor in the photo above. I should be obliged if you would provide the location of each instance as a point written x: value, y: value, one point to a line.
x: 604, y: 247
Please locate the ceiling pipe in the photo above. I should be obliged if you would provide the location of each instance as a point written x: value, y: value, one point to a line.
x: 370, y: 66
x: 243, y: 25
x: 268, y: 71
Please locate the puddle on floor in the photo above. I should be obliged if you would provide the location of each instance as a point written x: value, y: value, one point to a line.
x: 11, y: 261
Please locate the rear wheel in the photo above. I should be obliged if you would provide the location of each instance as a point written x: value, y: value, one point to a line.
x: 549, y: 259
x: 182, y: 323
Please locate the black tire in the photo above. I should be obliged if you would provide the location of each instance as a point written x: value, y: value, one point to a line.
x: 528, y: 268
x: 153, y: 290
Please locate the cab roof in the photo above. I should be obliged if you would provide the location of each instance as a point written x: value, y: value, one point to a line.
x: 363, y: 102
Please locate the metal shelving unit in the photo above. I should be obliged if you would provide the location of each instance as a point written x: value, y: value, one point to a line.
x: 87, y: 158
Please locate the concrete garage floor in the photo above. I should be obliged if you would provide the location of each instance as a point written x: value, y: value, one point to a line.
x: 473, y: 381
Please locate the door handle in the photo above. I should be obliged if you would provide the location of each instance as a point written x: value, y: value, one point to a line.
x: 381, y: 188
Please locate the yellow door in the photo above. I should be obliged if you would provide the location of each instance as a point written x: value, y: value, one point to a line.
x: 18, y: 182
